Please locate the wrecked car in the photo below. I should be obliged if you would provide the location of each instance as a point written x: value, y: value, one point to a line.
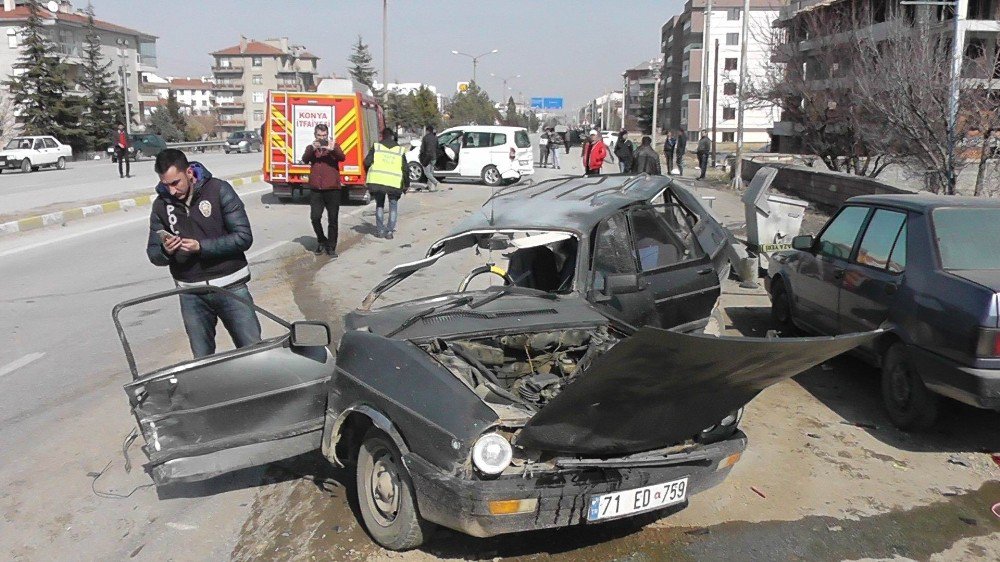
x: 534, y: 394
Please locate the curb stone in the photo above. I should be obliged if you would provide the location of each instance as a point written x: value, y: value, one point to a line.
x: 60, y: 217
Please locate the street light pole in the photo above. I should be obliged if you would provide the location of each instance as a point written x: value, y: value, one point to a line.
x: 706, y: 37
x: 656, y: 65
x: 385, y: 43
x: 475, y: 59
x: 122, y: 56
x: 738, y: 178
x: 505, y: 80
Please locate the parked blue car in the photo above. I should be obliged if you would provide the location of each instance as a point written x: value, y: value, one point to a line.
x: 925, y: 268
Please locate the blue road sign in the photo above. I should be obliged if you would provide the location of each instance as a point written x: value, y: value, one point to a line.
x: 546, y: 103
x: 537, y: 103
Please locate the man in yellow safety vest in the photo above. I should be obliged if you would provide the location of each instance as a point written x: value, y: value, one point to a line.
x: 387, y: 176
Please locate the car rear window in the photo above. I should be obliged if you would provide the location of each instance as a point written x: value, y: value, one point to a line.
x: 968, y: 238
x: 521, y: 139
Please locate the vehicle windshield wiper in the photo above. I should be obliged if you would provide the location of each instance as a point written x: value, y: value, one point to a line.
x: 507, y: 290
x: 413, y: 319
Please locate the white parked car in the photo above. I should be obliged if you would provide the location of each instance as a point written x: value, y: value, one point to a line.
x: 494, y: 154
x: 31, y: 153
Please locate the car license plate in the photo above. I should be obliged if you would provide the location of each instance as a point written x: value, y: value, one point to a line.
x: 524, y: 162
x: 628, y: 502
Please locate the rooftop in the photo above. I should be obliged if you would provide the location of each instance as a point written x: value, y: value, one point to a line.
x: 20, y: 13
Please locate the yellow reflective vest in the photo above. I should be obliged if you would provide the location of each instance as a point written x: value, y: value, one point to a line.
x: 386, y: 169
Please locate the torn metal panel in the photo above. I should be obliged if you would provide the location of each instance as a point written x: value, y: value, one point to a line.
x: 658, y: 388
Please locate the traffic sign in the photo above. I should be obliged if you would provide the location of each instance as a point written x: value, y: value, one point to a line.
x: 546, y: 103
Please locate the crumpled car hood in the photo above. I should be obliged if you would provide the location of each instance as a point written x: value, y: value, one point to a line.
x: 658, y: 388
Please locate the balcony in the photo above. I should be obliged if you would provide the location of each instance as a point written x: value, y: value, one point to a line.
x: 288, y: 87
x: 236, y: 104
x: 232, y: 122
x: 227, y: 69
x: 228, y: 86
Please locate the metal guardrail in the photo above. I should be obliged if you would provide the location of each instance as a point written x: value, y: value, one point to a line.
x: 197, y: 146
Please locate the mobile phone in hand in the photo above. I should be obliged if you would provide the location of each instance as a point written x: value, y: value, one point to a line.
x: 164, y: 235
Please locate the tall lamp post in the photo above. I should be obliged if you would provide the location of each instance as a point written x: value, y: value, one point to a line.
x: 656, y: 65
x: 122, y: 57
x: 475, y: 59
x: 505, y: 80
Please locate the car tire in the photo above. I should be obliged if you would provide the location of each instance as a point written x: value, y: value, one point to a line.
x: 781, y: 310
x: 908, y: 401
x: 26, y: 166
x: 61, y: 163
x: 226, y: 150
x: 491, y: 176
x: 386, y: 497
x: 416, y: 171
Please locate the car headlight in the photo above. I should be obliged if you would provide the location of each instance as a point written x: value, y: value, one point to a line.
x: 110, y: 150
x: 492, y: 454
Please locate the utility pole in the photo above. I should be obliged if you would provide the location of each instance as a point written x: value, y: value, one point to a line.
x: 715, y: 101
x: 738, y: 178
x: 122, y: 57
x: 385, y: 44
x: 656, y: 65
x: 706, y: 37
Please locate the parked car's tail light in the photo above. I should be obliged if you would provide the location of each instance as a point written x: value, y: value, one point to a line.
x: 513, y: 153
x: 510, y: 507
x: 492, y: 454
x: 989, y: 343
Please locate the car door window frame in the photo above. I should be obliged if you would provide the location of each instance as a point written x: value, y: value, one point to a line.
x: 857, y: 235
x: 859, y: 242
x: 595, y: 248
x: 687, y: 253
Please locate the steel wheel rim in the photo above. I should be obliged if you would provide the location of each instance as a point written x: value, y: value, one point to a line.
x: 492, y: 176
x: 384, y: 488
x: 415, y: 173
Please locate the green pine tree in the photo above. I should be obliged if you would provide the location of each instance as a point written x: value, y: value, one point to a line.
x: 173, y: 108
x: 425, y: 108
x: 473, y: 106
x: 106, y: 107
x: 512, y: 119
x: 362, y: 69
x: 41, y: 90
x: 161, y: 123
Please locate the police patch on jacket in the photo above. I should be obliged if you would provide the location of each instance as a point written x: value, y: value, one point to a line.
x: 206, y: 208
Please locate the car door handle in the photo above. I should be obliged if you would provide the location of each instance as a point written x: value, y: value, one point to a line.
x: 705, y: 271
x: 839, y: 274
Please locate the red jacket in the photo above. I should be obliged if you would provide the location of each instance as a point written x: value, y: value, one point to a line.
x: 324, y: 172
x: 593, y: 158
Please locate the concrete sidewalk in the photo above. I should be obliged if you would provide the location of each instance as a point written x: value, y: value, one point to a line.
x: 75, y: 213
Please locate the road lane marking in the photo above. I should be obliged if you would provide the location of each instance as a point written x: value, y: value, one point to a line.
x: 37, y: 245
x: 15, y: 365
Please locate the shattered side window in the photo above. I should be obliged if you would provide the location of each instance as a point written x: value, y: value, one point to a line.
x: 612, y: 250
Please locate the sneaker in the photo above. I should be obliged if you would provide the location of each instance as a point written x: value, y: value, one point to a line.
x: 388, y: 235
x: 331, y: 252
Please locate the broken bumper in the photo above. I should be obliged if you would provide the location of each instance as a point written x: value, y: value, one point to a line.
x: 563, y: 497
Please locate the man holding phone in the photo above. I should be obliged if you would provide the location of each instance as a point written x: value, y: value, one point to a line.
x: 199, y: 229
x: 324, y: 157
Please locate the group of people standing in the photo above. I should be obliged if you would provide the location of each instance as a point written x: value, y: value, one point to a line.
x: 644, y: 159
x: 548, y: 147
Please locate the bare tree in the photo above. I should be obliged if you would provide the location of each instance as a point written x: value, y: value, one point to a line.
x: 980, y: 101
x: 8, y: 121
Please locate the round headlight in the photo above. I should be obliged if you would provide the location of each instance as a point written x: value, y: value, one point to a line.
x: 492, y: 454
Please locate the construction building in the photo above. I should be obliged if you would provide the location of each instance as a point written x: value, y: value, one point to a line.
x: 243, y: 74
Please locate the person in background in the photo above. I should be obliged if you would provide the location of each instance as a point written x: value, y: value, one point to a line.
x: 624, y: 151
x: 555, y: 139
x: 543, y: 149
x: 386, y: 171
x: 646, y: 160
x: 668, y: 151
x: 703, y: 151
x: 680, y: 147
x: 594, y: 153
x: 428, y: 157
x: 199, y: 228
x: 119, y: 141
x: 324, y: 158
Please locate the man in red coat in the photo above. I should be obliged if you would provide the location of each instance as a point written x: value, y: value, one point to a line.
x: 594, y: 153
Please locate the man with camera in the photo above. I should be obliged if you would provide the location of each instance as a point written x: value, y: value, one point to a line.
x: 324, y: 158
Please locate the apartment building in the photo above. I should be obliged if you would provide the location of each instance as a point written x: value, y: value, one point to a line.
x: 243, y: 74
x: 689, y: 73
x: 978, y: 27
x: 603, y: 112
x: 638, y: 84
x: 131, y: 53
x: 196, y: 96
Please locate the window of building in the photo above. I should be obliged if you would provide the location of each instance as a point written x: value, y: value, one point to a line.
x: 728, y: 137
x: 258, y: 115
x: 729, y: 88
x: 258, y: 97
x: 733, y: 14
x: 732, y: 39
x: 731, y: 64
x: 729, y: 113
x: 258, y: 79
x: 224, y: 62
x: 11, y: 38
x: 258, y: 61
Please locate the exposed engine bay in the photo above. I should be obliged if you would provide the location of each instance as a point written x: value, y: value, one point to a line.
x: 527, y: 368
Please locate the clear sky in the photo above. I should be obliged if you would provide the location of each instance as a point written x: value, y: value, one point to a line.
x: 575, y: 49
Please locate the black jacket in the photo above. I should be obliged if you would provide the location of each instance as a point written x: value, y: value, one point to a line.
x: 681, y: 146
x: 704, y: 145
x: 428, y: 149
x: 624, y: 151
x: 215, y: 218
x: 370, y: 159
x: 647, y: 161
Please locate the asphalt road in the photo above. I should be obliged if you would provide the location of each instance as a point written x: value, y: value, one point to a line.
x: 95, y: 181
x: 825, y: 477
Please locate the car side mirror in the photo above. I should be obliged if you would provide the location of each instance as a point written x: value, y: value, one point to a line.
x: 804, y: 242
x: 622, y: 284
x: 310, y: 334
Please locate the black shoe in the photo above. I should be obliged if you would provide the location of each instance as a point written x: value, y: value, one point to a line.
x: 121, y: 176
x: 388, y: 235
x: 379, y: 235
x: 331, y: 252
x: 320, y: 248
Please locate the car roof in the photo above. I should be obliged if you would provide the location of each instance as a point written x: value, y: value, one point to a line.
x: 572, y: 203
x: 488, y: 128
x: 923, y: 202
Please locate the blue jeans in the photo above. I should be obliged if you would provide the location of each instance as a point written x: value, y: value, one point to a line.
x: 554, y: 152
x: 380, y: 211
x: 623, y: 167
x: 202, y: 311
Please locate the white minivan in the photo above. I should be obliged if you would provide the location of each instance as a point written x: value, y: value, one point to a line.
x: 494, y: 154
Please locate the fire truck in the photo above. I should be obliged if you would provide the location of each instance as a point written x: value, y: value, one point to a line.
x: 354, y: 118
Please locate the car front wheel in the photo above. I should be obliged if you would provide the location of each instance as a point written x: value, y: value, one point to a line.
x: 491, y: 176
x: 781, y: 309
x: 911, y: 406
x: 61, y: 163
x: 26, y: 166
x: 385, y: 495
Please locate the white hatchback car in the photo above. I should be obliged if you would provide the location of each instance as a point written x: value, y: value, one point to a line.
x: 494, y: 154
x: 31, y: 153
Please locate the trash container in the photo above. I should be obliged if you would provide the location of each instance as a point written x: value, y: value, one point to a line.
x: 772, y: 219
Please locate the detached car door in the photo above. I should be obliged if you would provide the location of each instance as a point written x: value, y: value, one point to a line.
x: 679, y: 273
x: 815, y: 284
x: 231, y: 410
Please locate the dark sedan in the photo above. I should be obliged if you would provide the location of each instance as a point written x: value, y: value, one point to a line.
x: 927, y: 269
